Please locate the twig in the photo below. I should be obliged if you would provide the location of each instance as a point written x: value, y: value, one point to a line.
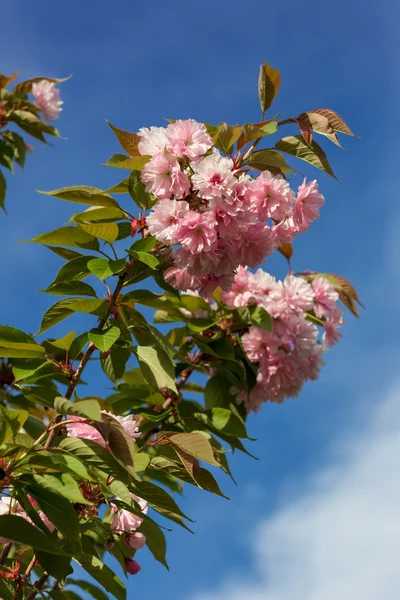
x: 39, y: 585
x: 24, y: 578
x: 4, y: 553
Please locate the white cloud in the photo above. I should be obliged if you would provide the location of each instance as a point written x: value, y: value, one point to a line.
x: 338, y: 538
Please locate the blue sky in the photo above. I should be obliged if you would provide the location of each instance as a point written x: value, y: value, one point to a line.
x: 135, y: 63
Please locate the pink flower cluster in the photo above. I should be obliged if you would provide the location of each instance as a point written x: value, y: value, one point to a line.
x: 215, y: 215
x: 291, y: 353
x: 79, y: 427
x: 10, y: 506
x: 47, y: 99
x: 126, y: 523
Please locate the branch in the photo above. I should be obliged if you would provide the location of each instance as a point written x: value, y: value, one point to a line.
x: 86, y: 357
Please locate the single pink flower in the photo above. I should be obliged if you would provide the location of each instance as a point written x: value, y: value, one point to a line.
x: 197, y: 231
x: 334, y: 320
x: 325, y: 296
x: 163, y: 177
x: 213, y: 177
x: 153, y: 140
x: 47, y: 99
x: 132, y: 566
x: 78, y: 427
x: 294, y: 294
x: 164, y: 220
x: 125, y: 521
x: 135, y: 540
x: 180, y: 279
x: 255, y: 244
x: 270, y: 196
x: 243, y: 289
x: 188, y: 138
x: 307, y: 204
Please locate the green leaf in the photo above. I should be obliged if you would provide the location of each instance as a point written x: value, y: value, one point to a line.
x: 3, y: 188
x: 61, y: 483
x: 144, y: 244
x: 261, y: 318
x: 57, y: 461
x: 223, y: 420
x: 146, y: 258
x: 89, y: 588
x: 64, y: 308
x: 75, y: 269
x: 119, y: 188
x: 82, y: 194
x: 137, y: 191
x: 65, y: 342
x: 85, y: 408
x: 268, y: 160
x: 102, y: 574
x: 314, y: 155
x: 12, y: 334
x: 104, y: 231
x: 58, y: 509
x: 195, y: 445
x: 125, y: 162
x: 64, y: 252
x: 11, y: 422
x: 19, y: 530
x: 68, y: 236
x: 94, y: 454
x: 114, y: 363
x: 93, y: 214
x: 141, y: 462
x: 16, y: 350
x: 56, y: 566
x: 155, y: 540
x: 103, y: 339
x: 70, y: 288
x: 226, y: 137
x: 156, y: 367
x: 129, y: 141
x: 269, y: 81
x: 103, y: 268
x: 157, y: 498
x: 217, y: 393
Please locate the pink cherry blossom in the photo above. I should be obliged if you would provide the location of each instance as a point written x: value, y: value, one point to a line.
x: 284, y: 232
x: 125, y: 521
x: 263, y: 285
x: 163, y: 177
x: 271, y: 196
x: 135, y: 540
x: 293, y: 294
x: 213, y: 177
x: 180, y: 279
x: 47, y: 99
x: 188, y: 138
x: 335, y: 319
x: 197, y: 231
x: 307, y: 204
x: 258, y: 343
x: 153, y: 141
x: 325, y: 296
x: 243, y: 289
x: 78, y: 427
x: 132, y: 566
x: 164, y: 219
x: 255, y: 244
